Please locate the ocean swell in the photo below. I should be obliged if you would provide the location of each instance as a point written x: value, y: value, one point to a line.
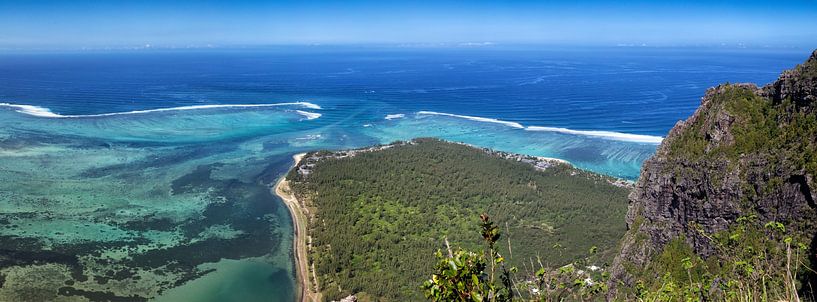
x: 45, y: 112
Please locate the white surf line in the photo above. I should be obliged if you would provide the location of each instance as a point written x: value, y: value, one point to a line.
x: 308, y: 115
x: 395, y: 116
x: 627, y: 137
x: 474, y: 118
x: 611, y: 135
x: 45, y: 112
x: 31, y: 110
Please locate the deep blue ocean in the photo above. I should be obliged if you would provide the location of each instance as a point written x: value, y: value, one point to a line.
x: 116, y: 133
x: 631, y: 90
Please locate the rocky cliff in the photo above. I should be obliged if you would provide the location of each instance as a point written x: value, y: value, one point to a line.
x: 746, y: 151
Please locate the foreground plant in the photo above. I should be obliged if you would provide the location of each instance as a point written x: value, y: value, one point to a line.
x: 484, y: 276
x: 754, y: 262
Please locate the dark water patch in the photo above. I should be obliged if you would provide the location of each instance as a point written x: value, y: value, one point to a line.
x: 101, y: 280
x: 21, y: 138
x: 275, y: 168
x: 190, y: 276
x: 121, y: 274
x: 225, y: 142
x: 16, y: 251
x: 245, y: 207
x: 14, y: 144
x: 587, y: 154
x: 274, y: 145
x: 171, y: 157
x: 187, y: 257
x: 242, y: 205
x: 22, y: 251
x: 149, y: 222
x: 22, y: 215
x: 95, y: 248
x: 197, y: 181
x: 98, y: 296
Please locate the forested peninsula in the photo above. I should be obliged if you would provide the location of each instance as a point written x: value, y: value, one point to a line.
x: 377, y: 215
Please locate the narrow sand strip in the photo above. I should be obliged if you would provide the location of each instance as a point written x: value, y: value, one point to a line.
x: 307, y: 280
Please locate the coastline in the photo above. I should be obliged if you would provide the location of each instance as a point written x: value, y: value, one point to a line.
x: 305, y: 278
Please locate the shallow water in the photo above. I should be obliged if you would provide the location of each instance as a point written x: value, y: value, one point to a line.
x: 139, y: 203
x: 245, y: 280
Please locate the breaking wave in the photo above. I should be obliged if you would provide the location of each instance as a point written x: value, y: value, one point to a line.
x: 611, y: 135
x: 627, y: 137
x: 45, y: 112
x: 308, y: 115
x: 474, y: 118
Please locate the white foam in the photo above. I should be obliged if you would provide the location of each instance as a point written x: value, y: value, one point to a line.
x: 475, y: 118
x: 45, y: 112
x: 31, y: 110
x: 306, y: 105
x: 627, y: 137
x: 395, y: 116
x: 308, y: 115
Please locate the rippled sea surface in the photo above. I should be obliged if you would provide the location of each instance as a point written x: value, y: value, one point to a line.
x: 146, y: 174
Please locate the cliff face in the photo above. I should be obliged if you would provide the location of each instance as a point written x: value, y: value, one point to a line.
x: 745, y: 151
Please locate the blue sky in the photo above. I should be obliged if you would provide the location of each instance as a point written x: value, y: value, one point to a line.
x: 95, y: 24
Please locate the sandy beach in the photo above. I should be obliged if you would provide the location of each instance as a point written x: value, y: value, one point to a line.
x: 306, y: 279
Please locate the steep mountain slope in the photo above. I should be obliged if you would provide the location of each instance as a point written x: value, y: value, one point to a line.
x: 747, y: 154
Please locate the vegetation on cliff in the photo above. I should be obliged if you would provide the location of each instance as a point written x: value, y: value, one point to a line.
x: 725, y: 209
x: 378, y: 215
x: 754, y: 264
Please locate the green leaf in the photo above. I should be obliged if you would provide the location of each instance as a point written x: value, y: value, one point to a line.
x: 687, y: 263
x: 452, y: 265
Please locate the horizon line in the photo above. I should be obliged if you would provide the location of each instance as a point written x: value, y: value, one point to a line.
x: 147, y: 47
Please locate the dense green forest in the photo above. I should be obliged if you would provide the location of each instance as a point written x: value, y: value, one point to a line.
x: 377, y: 217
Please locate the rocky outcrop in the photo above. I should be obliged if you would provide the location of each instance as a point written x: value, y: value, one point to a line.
x: 714, y: 168
x: 798, y: 84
